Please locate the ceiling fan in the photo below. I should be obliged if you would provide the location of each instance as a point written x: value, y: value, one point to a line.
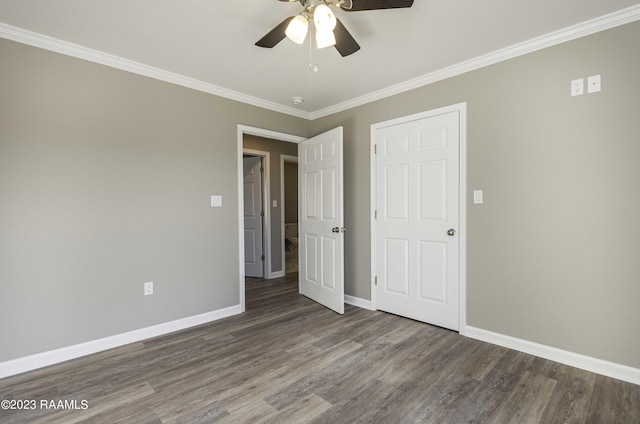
x: 329, y: 30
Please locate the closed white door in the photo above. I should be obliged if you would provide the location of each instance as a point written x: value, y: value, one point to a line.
x: 253, y: 257
x: 417, y: 202
x: 321, y: 226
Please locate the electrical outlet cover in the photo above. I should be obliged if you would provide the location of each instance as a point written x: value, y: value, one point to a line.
x: 593, y: 84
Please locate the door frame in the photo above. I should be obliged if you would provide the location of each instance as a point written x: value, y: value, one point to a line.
x: 243, y: 130
x: 283, y: 159
x: 461, y: 108
x: 264, y: 195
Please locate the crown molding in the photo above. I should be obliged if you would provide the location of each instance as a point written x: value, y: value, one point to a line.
x: 592, y: 26
x: 582, y: 29
x: 70, y: 49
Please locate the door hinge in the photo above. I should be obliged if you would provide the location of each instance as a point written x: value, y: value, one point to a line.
x: 261, y: 170
x: 375, y: 149
x: 375, y: 214
x: 262, y: 214
x: 375, y: 280
x: 262, y: 257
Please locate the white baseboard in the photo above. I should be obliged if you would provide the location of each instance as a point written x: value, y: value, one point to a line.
x: 276, y: 274
x: 359, y: 302
x: 40, y: 360
x: 599, y: 366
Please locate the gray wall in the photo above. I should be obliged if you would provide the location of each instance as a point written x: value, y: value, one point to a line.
x: 275, y: 148
x: 105, y: 183
x: 553, y: 252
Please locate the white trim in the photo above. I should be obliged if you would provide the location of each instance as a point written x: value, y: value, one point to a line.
x: 359, y: 302
x: 599, y: 366
x: 70, y: 49
x: 266, y: 201
x: 241, y: 131
x: 277, y: 274
x: 461, y: 108
x: 44, y: 359
x: 462, y: 209
x: 573, y: 32
x: 283, y: 159
x: 373, y: 198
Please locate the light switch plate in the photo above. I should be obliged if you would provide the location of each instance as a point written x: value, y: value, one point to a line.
x: 216, y: 201
x: 477, y: 197
x: 577, y: 87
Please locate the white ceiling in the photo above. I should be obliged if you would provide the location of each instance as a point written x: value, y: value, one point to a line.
x: 213, y: 40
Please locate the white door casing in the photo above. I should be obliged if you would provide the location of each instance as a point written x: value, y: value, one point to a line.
x: 321, y: 226
x: 417, y: 203
x: 253, y: 217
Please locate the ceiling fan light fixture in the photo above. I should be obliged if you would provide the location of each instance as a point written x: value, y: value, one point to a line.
x: 297, y: 29
x: 323, y: 18
x: 325, y: 39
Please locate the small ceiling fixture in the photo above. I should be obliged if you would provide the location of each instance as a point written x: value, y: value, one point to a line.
x: 297, y: 100
x: 329, y: 31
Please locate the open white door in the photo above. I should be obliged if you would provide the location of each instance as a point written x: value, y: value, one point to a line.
x: 253, y: 257
x: 321, y: 227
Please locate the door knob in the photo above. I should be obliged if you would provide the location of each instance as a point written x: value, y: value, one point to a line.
x: 451, y: 232
x: 335, y: 230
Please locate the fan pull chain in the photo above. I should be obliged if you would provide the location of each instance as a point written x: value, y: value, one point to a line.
x: 312, y: 67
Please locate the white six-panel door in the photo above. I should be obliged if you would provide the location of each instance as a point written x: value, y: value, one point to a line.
x: 321, y: 227
x: 417, y: 206
x: 253, y: 263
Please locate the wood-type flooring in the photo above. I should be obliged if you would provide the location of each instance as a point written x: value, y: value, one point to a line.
x: 290, y: 360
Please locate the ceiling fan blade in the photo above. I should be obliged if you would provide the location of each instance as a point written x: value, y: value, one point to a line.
x: 377, y: 4
x: 274, y: 36
x: 345, y: 43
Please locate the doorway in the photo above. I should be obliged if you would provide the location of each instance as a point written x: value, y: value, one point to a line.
x: 321, y: 230
x: 242, y: 131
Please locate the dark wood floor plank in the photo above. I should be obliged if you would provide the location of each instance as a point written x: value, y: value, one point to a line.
x: 485, y: 399
x: 357, y: 407
x: 569, y: 403
x: 527, y: 403
x: 482, y: 361
x: 426, y: 383
x: 290, y: 360
x: 614, y: 402
x: 267, y: 384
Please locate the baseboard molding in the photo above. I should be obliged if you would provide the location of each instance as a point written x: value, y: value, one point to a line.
x: 359, y: 302
x: 276, y: 274
x: 40, y: 360
x: 599, y: 366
